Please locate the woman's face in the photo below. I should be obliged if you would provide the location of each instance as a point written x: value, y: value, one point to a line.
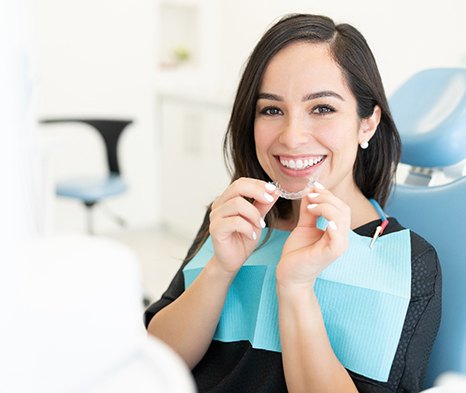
x: 306, y: 120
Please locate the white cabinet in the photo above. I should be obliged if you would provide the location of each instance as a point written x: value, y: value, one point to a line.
x: 192, y: 169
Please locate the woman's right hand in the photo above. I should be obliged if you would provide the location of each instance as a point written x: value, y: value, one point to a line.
x: 236, y: 224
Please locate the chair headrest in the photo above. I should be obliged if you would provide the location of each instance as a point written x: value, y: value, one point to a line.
x: 429, y: 110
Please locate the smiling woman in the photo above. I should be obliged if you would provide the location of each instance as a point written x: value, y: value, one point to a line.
x: 280, y: 295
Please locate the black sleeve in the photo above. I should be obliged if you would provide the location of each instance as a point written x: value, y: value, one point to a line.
x: 176, y: 287
x: 420, y: 327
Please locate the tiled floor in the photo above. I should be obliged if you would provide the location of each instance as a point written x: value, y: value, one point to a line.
x: 160, y: 253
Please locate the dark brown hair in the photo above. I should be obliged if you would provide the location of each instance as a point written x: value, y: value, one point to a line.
x: 374, y: 168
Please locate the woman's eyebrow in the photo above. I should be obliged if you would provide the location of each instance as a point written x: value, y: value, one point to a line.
x: 324, y: 93
x: 270, y: 96
x: 307, y: 97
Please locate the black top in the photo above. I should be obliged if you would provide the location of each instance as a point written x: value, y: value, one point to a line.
x: 236, y: 367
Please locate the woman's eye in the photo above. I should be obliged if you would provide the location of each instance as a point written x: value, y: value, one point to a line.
x: 270, y: 111
x: 323, y: 110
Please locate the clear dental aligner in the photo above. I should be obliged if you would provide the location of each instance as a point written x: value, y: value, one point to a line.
x: 293, y: 195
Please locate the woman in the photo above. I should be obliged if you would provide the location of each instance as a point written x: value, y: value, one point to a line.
x: 314, y: 305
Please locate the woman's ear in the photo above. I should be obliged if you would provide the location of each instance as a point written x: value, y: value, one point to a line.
x: 369, y: 125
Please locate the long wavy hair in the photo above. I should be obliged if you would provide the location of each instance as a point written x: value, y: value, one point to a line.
x: 374, y: 168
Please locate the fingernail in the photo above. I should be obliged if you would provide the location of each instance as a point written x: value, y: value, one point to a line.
x: 332, y: 225
x: 312, y: 206
x: 268, y: 197
x: 270, y: 187
x: 313, y: 195
x: 262, y: 223
x: 254, y: 236
x: 319, y: 186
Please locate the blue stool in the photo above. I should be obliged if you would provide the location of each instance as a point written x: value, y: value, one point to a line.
x: 430, y: 113
x: 90, y: 191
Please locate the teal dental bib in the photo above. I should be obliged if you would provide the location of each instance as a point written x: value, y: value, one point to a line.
x: 363, y: 295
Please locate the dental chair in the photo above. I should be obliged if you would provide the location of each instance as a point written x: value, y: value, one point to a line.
x: 430, y: 113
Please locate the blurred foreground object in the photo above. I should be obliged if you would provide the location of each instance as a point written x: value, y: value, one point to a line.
x: 85, y: 331
x: 449, y: 383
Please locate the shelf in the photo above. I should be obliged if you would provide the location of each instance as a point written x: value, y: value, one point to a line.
x: 178, y: 34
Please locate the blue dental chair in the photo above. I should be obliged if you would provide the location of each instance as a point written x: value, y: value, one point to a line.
x: 92, y: 190
x: 430, y: 113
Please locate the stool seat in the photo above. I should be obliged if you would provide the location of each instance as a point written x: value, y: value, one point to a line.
x: 91, y: 190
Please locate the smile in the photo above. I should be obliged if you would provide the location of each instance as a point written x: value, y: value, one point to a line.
x: 300, y: 163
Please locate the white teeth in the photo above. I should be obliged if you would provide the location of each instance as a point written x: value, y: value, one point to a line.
x: 301, y: 164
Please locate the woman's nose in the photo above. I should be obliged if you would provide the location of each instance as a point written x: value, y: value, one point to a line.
x: 295, y: 133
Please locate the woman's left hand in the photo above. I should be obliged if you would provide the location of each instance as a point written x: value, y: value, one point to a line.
x: 309, y: 250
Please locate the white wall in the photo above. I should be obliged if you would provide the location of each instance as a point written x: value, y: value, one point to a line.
x: 405, y: 36
x: 98, y: 58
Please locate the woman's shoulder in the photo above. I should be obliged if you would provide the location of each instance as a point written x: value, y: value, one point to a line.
x: 425, y: 265
x: 420, y: 247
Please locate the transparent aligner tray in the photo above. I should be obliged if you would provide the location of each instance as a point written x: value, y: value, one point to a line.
x: 282, y: 193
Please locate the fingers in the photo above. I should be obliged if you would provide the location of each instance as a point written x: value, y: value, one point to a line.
x: 238, y: 206
x: 224, y: 228
x: 233, y: 204
x: 321, y: 202
x: 259, y: 190
x: 264, y: 208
